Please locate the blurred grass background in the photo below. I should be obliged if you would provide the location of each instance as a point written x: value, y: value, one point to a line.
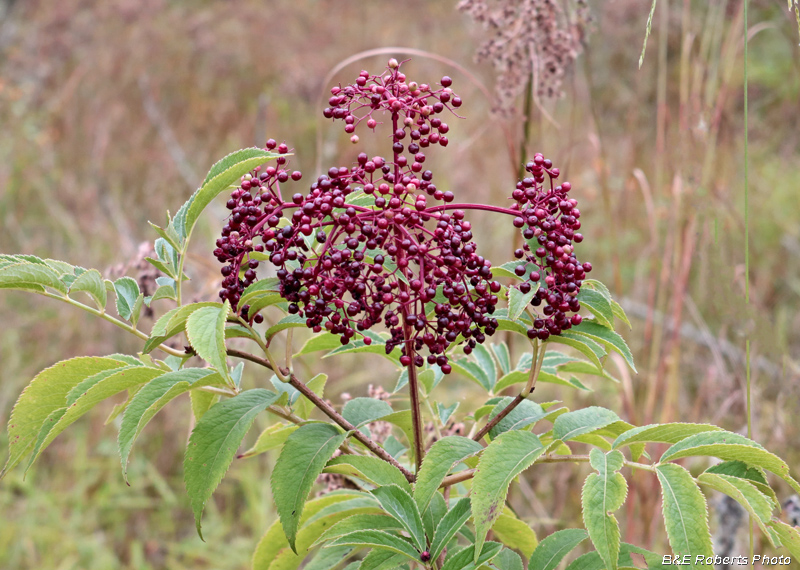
x: 113, y: 111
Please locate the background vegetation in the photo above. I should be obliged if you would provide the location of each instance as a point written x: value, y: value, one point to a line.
x: 113, y: 111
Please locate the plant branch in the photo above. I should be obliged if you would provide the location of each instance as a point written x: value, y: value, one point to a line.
x: 536, y: 366
x: 103, y: 315
x: 328, y: 410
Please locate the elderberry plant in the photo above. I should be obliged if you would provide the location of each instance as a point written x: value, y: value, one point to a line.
x: 375, y: 258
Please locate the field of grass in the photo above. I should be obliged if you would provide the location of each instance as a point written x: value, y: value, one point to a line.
x: 113, y: 111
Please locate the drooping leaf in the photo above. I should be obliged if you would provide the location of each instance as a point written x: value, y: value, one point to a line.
x: 323, y: 341
x: 788, y: 535
x: 733, y: 447
x: 328, y: 558
x: 754, y: 475
x: 450, y: 524
x: 440, y: 459
x: 506, y: 457
x: 91, y: 282
x: 371, y: 469
x: 205, y: 329
x: 47, y: 393
x: 663, y: 433
x: 685, y: 513
x: 745, y: 493
x: 30, y: 276
x: 151, y: 398
x: 214, y: 441
x: 302, y: 459
x: 552, y: 550
x: 287, y: 322
x: 399, y: 505
x: 360, y: 522
x: 378, y: 559
x: 582, y: 421
x: 603, y: 493
x: 474, y: 372
x: 607, y: 337
x: 598, y: 305
x: 361, y: 411
x: 583, y: 344
x: 127, y: 291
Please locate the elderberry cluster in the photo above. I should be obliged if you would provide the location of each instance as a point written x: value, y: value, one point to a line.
x: 550, y: 220
x: 368, y: 245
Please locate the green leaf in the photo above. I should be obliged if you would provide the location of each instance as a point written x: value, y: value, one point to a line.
x: 754, y: 475
x: 271, y: 438
x: 583, y: 344
x: 377, y: 539
x: 607, y: 337
x: 164, y: 292
x: 30, y: 276
x: 379, y: 560
x: 302, y: 459
x: 745, y: 493
x: 733, y: 447
x: 214, y: 441
x: 450, y: 524
x: 579, y: 422
x: 287, y: 322
x: 91, y: 282
x: 440, y: 459
x: 507, y: 560
x: 304, y: 406
x: 371, y: 469
x: 616, y: 309
x: 361, y: 411
x: 93, y: 390
x: 663, y: 433
x: 205, y: 329
x: 151, y: 398
x: 506, y: 457
x: 269, y: 286
x: 552, y: 550
x: 399, y: 504
x: 377, y: 346
x: 47, y: 393
x: 519, y: 377
x: 603, y: 493
x: 517, y: 301
x: 360, y: 522
x: 222, y: 175
x: 525, y: 414
x: 322, y: 341
x: 433, y: 515
x: 469, y: 559
x: 514, y: 533
x: 474, y: 372
x: 788, y: 535
x: 592, y: 560
x: 445, y: 412
x: 685, y: 513
x: 598, y: 305
x: 329, y: 558
x: 127, y: 291
x: 202, y: 402
x: 171, y: 323
x: 503, y: 357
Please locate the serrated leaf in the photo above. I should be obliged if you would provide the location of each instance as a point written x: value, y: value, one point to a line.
x: 91, y: 282
x: 788, y: 535
x: 445, y: 412
x: 287, y: 322
x: 371, y: 469
x: 733, y: 447
x: 214, y: 441
x: 399, y: 505
x: 377, y: 346
x: 579, y: 422
x: 503, y: 357
x: 361, y: 411
x: 745, y: 493
x: 685, y: 513
x: 273, y: 541
x: 552, y: 550
x: 592, y: 560
x: 222, y: 175
x: 164, y: 292
x: 46, y: 393
x: 205, y: 329
x: 525, y: 414
x: 518, y: 301
x: 378, y: 559
x: 506, y: 457
x: 754, y: 475
x: 603, y: 493
x: 322, y: 341
x: 514, y: 533
x: 472, y: 556
x: 520, y: 377
x: 474, y: 372
x: 302, y: 459
x: 607, y: 337
x: 662, y: 433
x: 598, y: 305
x: 583, y: 344
x: 440, y: 459
x: 27, y: 276
x: 201, y: 402
x: 377, y: 539
x: 271, y: 438
x: 328, y: 558
x: 507, y: 560
x: 127, y: 291
x: 450, y: 524
x: 151, y: 398
x: 359, y: 522
x: 304, y: 406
